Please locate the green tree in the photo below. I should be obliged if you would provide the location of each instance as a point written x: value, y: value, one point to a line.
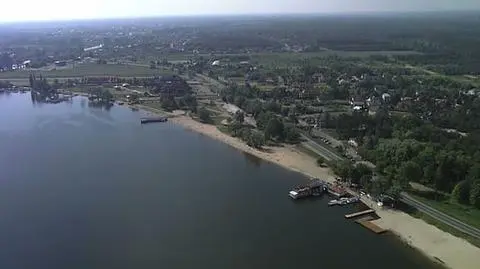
x: 291, y: 134
x: 410, y: 171
x: 239, y: 101
x: 190, y: 101
x: 256, y: 140
x: 253, y: 107
x: 245, y: 134
x: 358, y: 172
x: 204, y: 115
x: 235, y: 128
x: 342, y: 169
x: 461, y: 192
x: 475, y: 193
x: 274, y: 129
x: 239, y: 116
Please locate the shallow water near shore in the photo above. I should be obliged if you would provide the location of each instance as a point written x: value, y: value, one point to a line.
x: 83, y: 187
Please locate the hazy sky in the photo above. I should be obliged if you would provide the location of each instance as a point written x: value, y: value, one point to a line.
x: 21, y: 10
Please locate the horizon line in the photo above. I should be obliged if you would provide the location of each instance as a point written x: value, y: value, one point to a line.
x: 255, y: 14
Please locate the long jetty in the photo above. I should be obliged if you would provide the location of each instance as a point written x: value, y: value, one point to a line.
x: 358, y: 214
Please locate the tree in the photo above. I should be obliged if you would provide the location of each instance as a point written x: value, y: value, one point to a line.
x: 204, y: 115
x: 257, y: 140
x: 245, y: 134
x: 273, y: 107
x: 189, y: 101
x: 235, y: 128
x: 291, y: 134
x: 410, y: 172
x: 475, y: 193
x: 239, y: 101
x: 239, y: 116
x: 253, y: 107
x: 474, y: 178
x: 360, y: 171
x: 461, y: 192
x: 274, y: 129
x: 342, y: 169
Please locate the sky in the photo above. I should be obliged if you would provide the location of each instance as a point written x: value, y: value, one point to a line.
x: 33, y: 10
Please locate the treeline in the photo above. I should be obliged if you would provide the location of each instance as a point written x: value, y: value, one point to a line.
x: 269, y: 116
x: 408, y: 149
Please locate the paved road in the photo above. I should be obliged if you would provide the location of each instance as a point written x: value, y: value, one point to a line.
x: 321, y: 150
x: 432, y: 212
x: 404, y: 197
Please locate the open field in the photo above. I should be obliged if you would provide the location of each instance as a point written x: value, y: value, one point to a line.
x: 83, y: 70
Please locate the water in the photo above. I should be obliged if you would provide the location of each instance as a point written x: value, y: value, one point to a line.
x: 82, y: 187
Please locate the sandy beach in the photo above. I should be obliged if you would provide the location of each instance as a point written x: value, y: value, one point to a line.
x: 287, y: 156
x: 451, y: 251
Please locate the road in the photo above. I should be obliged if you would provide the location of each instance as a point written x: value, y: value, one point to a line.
x: 320, y: 149
x: 434, y: 213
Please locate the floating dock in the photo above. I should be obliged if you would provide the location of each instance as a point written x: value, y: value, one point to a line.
x: 315, y: 188
x: 358, y: 214
x: 367, y: 223
x: 151, y: 120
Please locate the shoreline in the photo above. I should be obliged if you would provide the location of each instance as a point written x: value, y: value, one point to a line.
x: 441, y: 247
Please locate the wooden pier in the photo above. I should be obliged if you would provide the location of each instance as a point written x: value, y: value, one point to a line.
x: 358, y: 214
x: 367, y: 223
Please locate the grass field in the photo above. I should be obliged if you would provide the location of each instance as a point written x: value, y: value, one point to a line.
x: 83, y: 70
x: 467, y: 214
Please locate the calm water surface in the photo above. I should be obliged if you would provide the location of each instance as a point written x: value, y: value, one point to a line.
x: 82, y: 187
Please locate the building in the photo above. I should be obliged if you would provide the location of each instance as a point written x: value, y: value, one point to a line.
x: 60, y: 63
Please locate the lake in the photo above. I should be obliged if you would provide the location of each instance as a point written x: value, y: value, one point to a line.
x: 85, y: 187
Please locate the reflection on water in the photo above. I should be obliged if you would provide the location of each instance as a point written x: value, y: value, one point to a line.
x: 253, y: 159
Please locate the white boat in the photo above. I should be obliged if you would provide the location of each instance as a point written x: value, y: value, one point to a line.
x: 293, y: 194
x: 334, y: 202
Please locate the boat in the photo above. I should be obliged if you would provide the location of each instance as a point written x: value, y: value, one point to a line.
x: 333, y: 202
x: 353, y: 200
x: 343, y: 201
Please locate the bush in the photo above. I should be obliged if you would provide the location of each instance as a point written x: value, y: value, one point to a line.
x: 321, y: 161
